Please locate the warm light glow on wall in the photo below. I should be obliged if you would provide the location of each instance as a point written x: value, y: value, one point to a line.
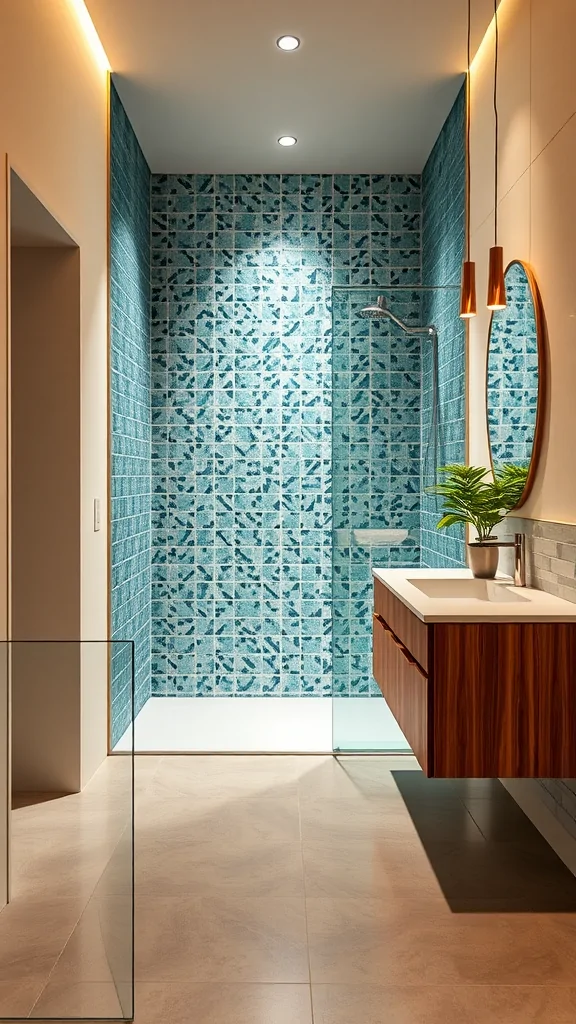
x: 485, y: 50
x: 92, y: 37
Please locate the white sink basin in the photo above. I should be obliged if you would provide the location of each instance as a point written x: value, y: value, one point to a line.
x: 469, y: 590
x: 453, y: 595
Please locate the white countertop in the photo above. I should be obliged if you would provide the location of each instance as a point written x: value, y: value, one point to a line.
x: 488, y: 601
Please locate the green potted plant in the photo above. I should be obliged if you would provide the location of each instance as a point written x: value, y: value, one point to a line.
x: 476, y: 497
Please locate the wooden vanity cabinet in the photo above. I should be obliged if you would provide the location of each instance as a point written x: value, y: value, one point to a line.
x: 482, y: 699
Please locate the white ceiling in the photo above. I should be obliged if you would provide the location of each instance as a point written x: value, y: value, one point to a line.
x: 207, y: 89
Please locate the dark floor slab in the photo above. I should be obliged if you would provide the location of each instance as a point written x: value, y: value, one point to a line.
x: 449, y: 790
x: 547, y: 903
x: 440, y: 789
x: 487, y: 855
x: 502, y: 871
x: 502, y: 821
x: 479, y: 789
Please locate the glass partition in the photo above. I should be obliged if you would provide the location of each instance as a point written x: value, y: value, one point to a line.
x: 67, y: 933
x: 398, y: 395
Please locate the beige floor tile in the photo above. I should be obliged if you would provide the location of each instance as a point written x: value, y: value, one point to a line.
x: 207, y: 777
x: 80, y: 821
x: 220, y: 790
x: 366, y: 868
x: 463, y: 1004
x: 286, y: 766
x: 223, y: 1004
x: 222, y: 847
x: 343, y: 778
x: 244, y: 868
x: 559, y: 932
x: 330, y: 819
x: 408, y: 942
x: 221, y: 939
x: 82, y: 999
x: 145, y: 770
x: 146, y: 765
x: 99, y: 950
x: 77, y: 822
x: 117, y: 876
x: 32, y: 935
x: 18, y: 997
x: 233, y: 820
x: 83, y: 825
x: 55, y: 872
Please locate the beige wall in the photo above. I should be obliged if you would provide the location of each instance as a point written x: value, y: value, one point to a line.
x: 45, y: 534
x: 537, y: 211
x: 53, y: 127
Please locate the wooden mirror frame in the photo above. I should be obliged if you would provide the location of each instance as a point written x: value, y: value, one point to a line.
x: 542, y: 343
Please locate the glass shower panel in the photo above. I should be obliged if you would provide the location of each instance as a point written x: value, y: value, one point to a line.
x: 69, y: 923
x: 382, y: 414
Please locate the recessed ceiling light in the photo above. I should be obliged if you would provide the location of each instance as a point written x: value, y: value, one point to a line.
x: 287, y: 140
x: 288, y: 43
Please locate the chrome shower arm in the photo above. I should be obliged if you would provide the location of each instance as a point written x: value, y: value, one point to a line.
x: 428, y: 329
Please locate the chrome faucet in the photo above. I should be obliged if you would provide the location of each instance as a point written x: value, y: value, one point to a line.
x: 519, y: 545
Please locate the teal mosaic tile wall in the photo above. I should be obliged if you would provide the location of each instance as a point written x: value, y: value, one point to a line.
x: 443, y: 235
x: 130, y: 414
x: 513, y: 374
x: 242, y: 273
x: 376, y: 461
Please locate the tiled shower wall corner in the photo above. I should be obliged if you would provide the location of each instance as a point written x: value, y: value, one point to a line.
x: 443, y: 239
x: 242, y: 272
x: 130, y: 414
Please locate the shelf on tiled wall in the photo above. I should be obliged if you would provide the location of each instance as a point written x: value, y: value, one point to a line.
x: 130, y: 414
x: 242, y: 272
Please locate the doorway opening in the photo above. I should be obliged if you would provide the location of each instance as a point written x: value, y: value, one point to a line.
x: 44, y: 497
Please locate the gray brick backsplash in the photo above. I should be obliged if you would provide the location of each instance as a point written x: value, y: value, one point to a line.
x: 568, y: 552
x: 551, y: 558
x: 550, y: 554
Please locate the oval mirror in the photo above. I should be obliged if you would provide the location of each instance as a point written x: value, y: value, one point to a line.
x: 515, y: 377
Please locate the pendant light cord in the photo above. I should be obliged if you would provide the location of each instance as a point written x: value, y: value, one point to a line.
x: 496, y: 126
x: 468, y: 119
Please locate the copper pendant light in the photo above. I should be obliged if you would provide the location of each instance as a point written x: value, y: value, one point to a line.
x: 468, y: 285
x: 496, y: 284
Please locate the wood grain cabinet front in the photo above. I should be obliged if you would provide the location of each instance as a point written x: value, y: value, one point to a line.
x: 479, y: 700
x: 404, y: 686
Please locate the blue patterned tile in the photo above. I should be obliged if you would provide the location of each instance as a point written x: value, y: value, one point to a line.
x: 131, y: 570
x: 241, y: 379
x: 443, y: 205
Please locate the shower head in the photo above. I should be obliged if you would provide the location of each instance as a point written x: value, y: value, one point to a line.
x: 375, y: 311
x: 379, y: 311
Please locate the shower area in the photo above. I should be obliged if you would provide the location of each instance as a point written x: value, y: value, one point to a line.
x: 270, y: 444
x: 392, y: 427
